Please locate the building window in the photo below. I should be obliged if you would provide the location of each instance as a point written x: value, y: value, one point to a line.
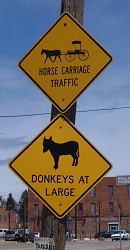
x: 80, y: 205
x: 128, y: 190
x: 93, y: 208
x: 36, y: 209
x: 80, y: 209
x: 93, y: 192
x: 111, y: 190
x: 113, y: 228
x: 111, y: 207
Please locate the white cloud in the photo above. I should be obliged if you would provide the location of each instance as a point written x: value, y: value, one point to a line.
x: 9, y: 143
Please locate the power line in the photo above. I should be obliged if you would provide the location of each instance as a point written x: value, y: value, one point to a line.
x: 24, y: 115
x: 78, y: 111
x: 104, y: 109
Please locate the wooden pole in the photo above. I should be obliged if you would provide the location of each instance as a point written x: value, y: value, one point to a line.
x: 76, y: 9
x: 50, y: 224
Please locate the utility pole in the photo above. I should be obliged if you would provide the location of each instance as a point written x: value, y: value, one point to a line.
x: 99, y: 216
x: 10, y: 208
x: 51, y: 224
x: 75, y: 222
x: 25, y: 216
x: 119, y: 218
x: 76, y: 9
x: 9, y: 218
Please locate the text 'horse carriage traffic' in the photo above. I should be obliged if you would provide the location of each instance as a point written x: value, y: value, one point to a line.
x: 70, y: 55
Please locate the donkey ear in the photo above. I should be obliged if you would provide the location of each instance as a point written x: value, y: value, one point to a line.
x: 51, y: 138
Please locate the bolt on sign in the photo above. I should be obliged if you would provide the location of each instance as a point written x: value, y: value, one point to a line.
x: 65, y: 61
x: 60, y: 166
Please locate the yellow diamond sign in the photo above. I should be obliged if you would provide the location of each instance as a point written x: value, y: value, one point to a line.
x: 60, y: 166
x: 65, y: 61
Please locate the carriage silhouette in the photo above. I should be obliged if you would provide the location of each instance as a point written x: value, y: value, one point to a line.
x: 70, y: 55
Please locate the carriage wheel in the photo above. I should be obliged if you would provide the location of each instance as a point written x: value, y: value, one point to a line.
x: 84, y: 56
x: 70, y: 57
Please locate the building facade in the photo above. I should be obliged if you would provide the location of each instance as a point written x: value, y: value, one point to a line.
x: 97, y: 211
x: 35, y: 209
x: 8, y: 219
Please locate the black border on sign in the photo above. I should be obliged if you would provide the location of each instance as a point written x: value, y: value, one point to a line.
x: 82, y: 28
x: 34, y: 191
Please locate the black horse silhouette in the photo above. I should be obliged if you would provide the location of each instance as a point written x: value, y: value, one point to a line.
x: 57, y: 149
x: 51, y: 53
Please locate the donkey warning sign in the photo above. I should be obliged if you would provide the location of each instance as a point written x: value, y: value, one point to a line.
x: 60, y: 166
x: 63, y: 68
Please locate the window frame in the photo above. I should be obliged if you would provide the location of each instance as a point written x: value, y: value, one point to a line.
x: 93, y: 192
x: 111, y: 207
x: 128, y: 190
x: 111, y: 190
x: 93, y: 207
x: 36, y: 209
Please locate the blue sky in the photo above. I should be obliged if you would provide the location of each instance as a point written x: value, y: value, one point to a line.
x: 22, y: 23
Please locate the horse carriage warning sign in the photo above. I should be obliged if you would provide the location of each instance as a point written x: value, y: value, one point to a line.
x: 65, y: 61
x: 60, y: 166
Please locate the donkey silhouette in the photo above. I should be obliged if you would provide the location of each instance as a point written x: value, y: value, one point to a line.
x: 58, y: 149
x: 51, y: 53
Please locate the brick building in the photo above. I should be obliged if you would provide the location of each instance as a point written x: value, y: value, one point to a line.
x: 35, y: 208
x: 8, y: 219
x: 94, y: 212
